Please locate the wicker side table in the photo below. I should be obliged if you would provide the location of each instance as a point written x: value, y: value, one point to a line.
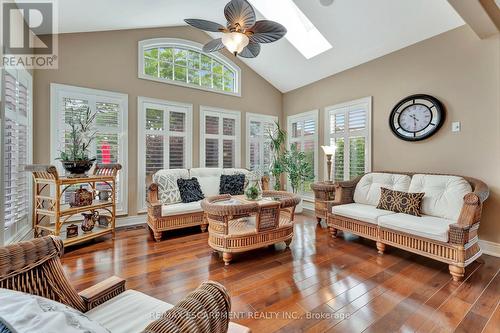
x: 324, y: 194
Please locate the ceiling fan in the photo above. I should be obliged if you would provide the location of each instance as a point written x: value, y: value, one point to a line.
x: 243, y: 34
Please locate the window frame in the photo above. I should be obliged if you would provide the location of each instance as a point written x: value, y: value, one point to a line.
x: 219, y: 112
x: 57, y: 92
x: 263, y: 118
x: 189, y: 45
x: 295, y: 118
x: 366, y: 132
x: 19, y: 73
x: 142, y: 104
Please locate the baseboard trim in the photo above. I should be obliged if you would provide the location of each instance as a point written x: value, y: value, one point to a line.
x: 128, y: 221
x: 491, y: 248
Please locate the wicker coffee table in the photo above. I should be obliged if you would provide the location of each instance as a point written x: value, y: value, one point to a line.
x: 237, y: 224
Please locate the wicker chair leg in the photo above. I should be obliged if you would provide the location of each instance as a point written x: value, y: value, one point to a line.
x: 333, y: 232
x: 157, y: 235
x: 227, y: 257
x: 457, y: 272
x: 287, y: 242
x: 380, y: 247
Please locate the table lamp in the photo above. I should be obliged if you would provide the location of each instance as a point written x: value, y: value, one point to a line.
x: 329, y: 151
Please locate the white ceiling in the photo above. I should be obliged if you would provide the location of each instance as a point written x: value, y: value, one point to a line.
x: 359, y: 30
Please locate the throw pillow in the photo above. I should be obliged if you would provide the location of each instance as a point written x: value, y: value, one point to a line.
x: 190, y: 190
x: 24, y: 313
x: 168, y: 191
x: 232, y: 184
x: 400, y: 202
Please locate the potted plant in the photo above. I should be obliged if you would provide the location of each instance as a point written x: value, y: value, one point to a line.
x: 299, y: 170
x: 75, y: 157
x: 278, y: 139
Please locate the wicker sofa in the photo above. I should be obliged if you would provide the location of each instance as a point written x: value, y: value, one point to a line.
x: 163, y: 216
x: 447, y: 230
x: 34, y: 267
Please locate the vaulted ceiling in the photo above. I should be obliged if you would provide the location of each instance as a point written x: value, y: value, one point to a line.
x: 359, y: 30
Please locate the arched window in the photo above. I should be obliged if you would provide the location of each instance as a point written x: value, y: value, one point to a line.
x: 182, y: 62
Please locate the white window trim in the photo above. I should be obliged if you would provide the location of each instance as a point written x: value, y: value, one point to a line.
x: 258, y: 117
x: 368, y: 132
x: 290, y: 119
x: 55, y: 93
x: 208, y: 110
x: 194, y: 46
x: 141, y: 137
x: 21, y: 234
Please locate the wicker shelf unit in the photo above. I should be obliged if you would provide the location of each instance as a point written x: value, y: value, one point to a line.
x: 52, y: 216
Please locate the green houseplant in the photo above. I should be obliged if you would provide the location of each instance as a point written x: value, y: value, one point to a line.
x: 298, y: 168
x: 75, y: 156
x: 277, y: 139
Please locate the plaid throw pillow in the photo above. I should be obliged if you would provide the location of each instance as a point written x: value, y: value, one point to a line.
x: 400, y: 202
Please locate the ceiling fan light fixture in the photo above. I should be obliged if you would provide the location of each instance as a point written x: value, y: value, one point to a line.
x: 235, y: 42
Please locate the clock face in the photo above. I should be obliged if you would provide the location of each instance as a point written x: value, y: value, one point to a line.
x: 416, y: 117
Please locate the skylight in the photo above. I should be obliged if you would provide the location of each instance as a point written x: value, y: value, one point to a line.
x: 301, y: 32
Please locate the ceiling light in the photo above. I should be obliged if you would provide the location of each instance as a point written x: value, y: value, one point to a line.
x: 303, y: 35
x: 235, y: 42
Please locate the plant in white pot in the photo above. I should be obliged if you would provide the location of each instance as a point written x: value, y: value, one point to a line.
x: 277, y: 139
x: 299, y: 170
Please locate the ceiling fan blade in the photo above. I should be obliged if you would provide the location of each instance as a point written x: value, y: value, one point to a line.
x: 266, y: 31
x: 205, y: 25
x: 240, y: 12
x: 250, y: 51
x: 213, y: 45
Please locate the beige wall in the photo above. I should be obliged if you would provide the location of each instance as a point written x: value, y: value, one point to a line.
x: 460, y: 70
x: 108, y: 61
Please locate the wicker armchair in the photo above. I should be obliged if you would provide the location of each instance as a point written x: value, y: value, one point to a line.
x: 34, y: 267
x: 230, y: 229
x: 461, y: 249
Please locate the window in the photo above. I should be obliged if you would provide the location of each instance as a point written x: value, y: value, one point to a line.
x: 219, y: 138
x: 348, y: 127
x: 165, y: 132
x: 183, y: 62
x: 110, y: 144
x: 258, y: 149
x: 303, y: 132
x: 17, y: 152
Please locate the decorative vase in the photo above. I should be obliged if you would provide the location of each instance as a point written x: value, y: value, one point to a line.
x: 253, y: 190
x: 300, y: 207
x: 89, y: 221
x: 77, y: 169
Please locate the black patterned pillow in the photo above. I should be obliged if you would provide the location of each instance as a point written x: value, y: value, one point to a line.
x: 400, y: 202
x: 190, y: 190
x: 232, y: 184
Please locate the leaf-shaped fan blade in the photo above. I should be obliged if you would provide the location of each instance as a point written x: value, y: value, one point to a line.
x: 240, y: 12
x: 213, y: 45
x: 266, y: 31
x: 250, y: 51
x: 205, y: 25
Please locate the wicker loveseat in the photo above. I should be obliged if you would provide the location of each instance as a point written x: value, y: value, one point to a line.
x: 447, y: 230
x: 164, y: 215
x: 34, y: 267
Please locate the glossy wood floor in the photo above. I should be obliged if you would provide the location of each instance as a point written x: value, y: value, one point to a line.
x: 319, y: 285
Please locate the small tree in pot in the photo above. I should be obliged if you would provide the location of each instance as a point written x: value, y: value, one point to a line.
x: 299, y: 170
x: 277, y: 139
x: 75, y: 157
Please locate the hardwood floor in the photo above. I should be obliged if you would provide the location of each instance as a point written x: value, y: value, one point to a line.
x: 319, y: 285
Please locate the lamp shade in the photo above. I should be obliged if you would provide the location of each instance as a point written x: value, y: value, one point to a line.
x: 329, y: 150
x: 235, y: 42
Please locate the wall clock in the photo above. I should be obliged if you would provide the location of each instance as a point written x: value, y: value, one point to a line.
x: 417, y: 117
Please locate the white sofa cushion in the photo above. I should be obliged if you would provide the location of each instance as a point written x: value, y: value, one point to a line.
x: 168, y: 191
x: 365, y: 213
x: 368, y: 188
x: 209, y: 179
x: 132, y: 311
x: 426, y: 226
x: 181, y: 208
x: 444, y: 195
